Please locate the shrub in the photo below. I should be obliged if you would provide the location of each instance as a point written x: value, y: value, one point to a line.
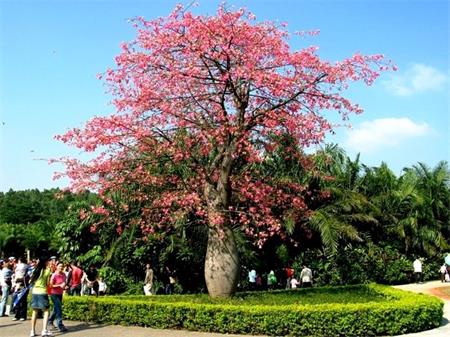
x: 116, y: 280
x: 380, y: 311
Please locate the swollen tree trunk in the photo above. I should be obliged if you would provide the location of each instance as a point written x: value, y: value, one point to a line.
x: 221, y: 263
x: 222, y: 258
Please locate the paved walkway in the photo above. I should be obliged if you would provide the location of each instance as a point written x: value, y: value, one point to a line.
x: 10, y: 328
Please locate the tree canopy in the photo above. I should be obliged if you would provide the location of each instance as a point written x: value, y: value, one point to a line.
x: 200, y: 99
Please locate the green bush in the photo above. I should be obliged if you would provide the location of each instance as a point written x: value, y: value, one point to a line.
x: 382, y: 311
x: 116, y: 280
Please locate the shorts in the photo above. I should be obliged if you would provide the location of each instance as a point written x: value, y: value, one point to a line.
x: 39, y: 301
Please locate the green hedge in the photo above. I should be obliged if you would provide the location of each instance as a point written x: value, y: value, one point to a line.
x: 400, y: 312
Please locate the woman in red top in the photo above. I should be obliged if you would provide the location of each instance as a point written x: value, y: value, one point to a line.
x: 57, y: 284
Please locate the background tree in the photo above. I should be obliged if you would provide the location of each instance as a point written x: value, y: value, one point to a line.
x: 207, y: 92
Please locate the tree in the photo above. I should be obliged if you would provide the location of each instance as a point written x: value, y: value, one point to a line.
x: 197, y: 100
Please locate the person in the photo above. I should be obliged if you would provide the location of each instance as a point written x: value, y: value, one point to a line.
x: 294, y: 283
x: 443, y: 271
x: 6, y: 284
x: 252, y: 279
x: 91, y: 276
x: 417, y: 265
x: 172, y: 280
x: 102, y: 287
x: 57, y: 286
x: 40, y: 279
x: 20, y: 301
x: 21, y: 280
x: 148, y: 281
x: 85, y: 290
x: 271, y: 280
x: 259, y: 282
x: 76, y: 275
x: 447, y: 262
x: 21, y: 270
x: 306, y: 278
x: 53, y: 263
x: 289, y: 275
x: 68, y: 272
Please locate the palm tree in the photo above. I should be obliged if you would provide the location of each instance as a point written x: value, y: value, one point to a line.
x: 430, y: 230
x: 348, y: 210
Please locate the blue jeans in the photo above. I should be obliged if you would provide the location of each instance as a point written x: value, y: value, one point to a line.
x: 4, y: 300
x: 57, y: 311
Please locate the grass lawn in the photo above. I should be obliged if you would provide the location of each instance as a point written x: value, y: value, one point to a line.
x: 312, y: 296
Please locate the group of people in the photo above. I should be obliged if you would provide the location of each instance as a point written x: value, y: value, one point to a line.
x: 169, y: 287
x: 304, y: 279
x: 44, y: 277
x: 444, y: 270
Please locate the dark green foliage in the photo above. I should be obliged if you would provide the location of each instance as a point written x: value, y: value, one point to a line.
x: 33, y: 206
x: 363, y: 264
x: 379, y: 311
x: 28, y: 219
x: 364, y: 224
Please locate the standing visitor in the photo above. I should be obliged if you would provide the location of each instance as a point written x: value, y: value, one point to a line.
x: 92, y: 275
x: 21, y: 270
x: 40, y: 279
x: 259, y: 282
x: 5, y: 283
x: 75, y: 279
x: 52, y: 263
x: 148, y: 281
x: 172, y: 280
x: 417, y: 265
x: 57, y: 286
x: 252, y: 279
x: 294, y: 283
x: 271, y: 280
x: 306, y: 278
x: 2, y: 263
x: 443, y: 271
x: 447, y: 262
x: 20, y: 290
x: 289, y: 275
x: 102, y: 287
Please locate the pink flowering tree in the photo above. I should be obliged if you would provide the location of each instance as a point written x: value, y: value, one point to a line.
x: 199, y: 99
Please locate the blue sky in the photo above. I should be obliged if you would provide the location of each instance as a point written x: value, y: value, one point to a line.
x: 51, y: 51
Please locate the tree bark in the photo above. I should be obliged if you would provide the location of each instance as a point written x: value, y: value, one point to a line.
x: 221, y: 263
x: 222, y: 257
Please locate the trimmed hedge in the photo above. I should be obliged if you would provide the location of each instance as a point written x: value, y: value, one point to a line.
x: 400, y: 312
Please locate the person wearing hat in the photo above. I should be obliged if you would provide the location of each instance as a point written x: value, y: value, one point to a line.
x: 53, y: 261
x: 5, y: 284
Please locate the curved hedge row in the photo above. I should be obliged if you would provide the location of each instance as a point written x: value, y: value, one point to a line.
x: 400, y: 312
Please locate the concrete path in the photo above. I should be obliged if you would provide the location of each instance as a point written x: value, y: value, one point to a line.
x: 10, y: 328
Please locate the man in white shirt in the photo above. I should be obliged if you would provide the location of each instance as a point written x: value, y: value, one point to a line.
x: 306, y: 277
x: 417, y: 265
x: 21, y: 270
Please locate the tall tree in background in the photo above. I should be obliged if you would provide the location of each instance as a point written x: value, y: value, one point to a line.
x: 198, y: 98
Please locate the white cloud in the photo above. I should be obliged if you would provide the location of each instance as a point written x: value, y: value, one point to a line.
x: 386, y: 132
x: 417, y: 78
